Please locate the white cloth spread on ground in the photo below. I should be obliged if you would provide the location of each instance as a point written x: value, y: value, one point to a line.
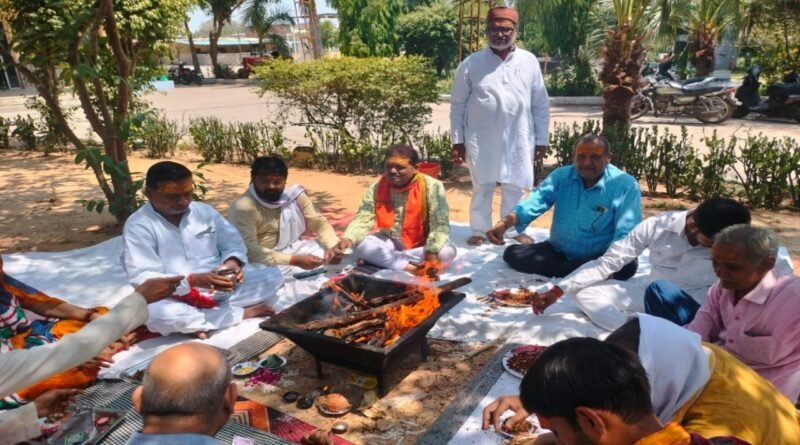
x: 93, y: 276
x: 500, y: 110
x: 661, y: 343
x: 293, y: 221
x: 154, y: 247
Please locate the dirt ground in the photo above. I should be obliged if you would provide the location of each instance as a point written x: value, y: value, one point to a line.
x: 39, y: 212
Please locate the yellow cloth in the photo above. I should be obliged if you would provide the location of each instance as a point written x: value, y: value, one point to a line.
x: 738, y: 402
x: 260, y: 229
x: 671, y: 434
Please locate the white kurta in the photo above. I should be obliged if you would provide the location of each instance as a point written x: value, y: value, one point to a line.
x: 608, y: 302
x: 501, y: 111
x: 672, y: 258
x: 154, y: 247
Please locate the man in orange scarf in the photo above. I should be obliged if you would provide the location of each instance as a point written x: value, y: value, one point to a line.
x: 410, y: 213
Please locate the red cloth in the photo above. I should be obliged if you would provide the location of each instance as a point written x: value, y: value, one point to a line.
x: 414, y: 227
x: 502, y: 13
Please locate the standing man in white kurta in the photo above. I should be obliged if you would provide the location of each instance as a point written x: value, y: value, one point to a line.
x: 171, y: 235
x: 499, y: 118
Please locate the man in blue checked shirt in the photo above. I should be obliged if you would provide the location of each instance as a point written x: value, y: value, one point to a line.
x: 595, y: 204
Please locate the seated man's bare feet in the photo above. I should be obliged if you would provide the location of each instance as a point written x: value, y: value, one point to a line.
x: 258, y: 310
x: 476, y: 240
x: 202, y: 335
x: 524, y: 239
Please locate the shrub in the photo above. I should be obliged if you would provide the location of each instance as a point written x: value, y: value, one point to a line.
x: 767, y: 167
x: 437, y: 147
x: 369, y: 103
x: 4, y: 130
x: 578, y: 79
x: 25, y: 131
x: 159, y: 135
x: 564, y: 137
x: 716, y: 164
x: 212, y: 139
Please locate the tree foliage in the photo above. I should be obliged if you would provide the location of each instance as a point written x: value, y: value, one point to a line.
x: 771, y: 36
x: 431, y: 31
x: 563, y: 25
x: 261, y: 18
x: 104, y: 51
x: 221, y: 12
x: 379, y: 100
x: 367, y: 27
x: 328, y: 34
x: 628, y: 26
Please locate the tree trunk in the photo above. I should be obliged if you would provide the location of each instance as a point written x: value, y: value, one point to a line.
x: 195, y: 59
x: 616, y: 112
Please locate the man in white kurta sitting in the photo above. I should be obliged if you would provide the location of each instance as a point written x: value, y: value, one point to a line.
x: 680, y: 263
x: 172, y: 235
x: 499, y: 115
x: 271, y: 218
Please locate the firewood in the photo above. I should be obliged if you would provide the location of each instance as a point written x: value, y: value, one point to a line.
x: 354, y: 328
x: 446, y: 287
x: 358, y: 301
x: 359, y: 336
x: 332, y: 322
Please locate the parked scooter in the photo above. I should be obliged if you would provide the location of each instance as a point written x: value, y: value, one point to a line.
x: 783, y: 98
x: 184, y: 75
x: 709, y: 99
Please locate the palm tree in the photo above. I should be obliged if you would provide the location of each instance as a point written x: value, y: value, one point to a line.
x: 261, y: 19
x: 706, y: 20
x: 628, y: 25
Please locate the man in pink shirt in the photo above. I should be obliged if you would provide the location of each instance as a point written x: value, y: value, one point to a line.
x: 751, y: 311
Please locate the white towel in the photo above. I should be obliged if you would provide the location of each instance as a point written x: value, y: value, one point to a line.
x: 293, y: 221
x: 677, y: 365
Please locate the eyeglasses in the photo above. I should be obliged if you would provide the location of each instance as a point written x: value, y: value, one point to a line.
x: 494, y: 30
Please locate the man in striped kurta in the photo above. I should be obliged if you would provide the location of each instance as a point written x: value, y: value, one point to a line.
x: 411, y: 215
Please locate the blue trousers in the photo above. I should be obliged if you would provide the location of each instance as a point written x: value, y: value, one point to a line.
x: 666, y: 300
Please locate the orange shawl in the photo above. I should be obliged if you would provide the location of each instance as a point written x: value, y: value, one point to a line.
x: 415, y: 221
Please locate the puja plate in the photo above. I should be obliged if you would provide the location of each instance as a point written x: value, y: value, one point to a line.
x: 245, y: 369
x: 532, y: 432
x: 333, y: 413
x: 508, y: 369
x: 500, y: 296
x: 519, y: 350
x: 86, y: 427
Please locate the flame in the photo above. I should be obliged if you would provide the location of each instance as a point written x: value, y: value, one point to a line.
x: 401, y: 319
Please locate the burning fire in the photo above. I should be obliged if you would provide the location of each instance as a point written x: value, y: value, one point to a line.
x: 400, y: 320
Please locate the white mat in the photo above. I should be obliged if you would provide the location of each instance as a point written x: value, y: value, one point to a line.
x: 471, y: 432
x: 93, y: 276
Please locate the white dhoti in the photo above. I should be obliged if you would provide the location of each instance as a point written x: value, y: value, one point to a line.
x: 608, y: 304
x: 260, y: 285
x: 382, y: 251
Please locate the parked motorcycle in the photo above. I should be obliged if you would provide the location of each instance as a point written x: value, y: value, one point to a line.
x: 709, y: 99
x: 181, y: 74
x: 783, y: 98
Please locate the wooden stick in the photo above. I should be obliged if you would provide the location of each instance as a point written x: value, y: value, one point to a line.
x: 348, y: 296
x: 446, y: 287
x: 332, y: 322
x: 355, y: 327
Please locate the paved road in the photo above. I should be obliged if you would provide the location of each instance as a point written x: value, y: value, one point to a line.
x: 242, y: 103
